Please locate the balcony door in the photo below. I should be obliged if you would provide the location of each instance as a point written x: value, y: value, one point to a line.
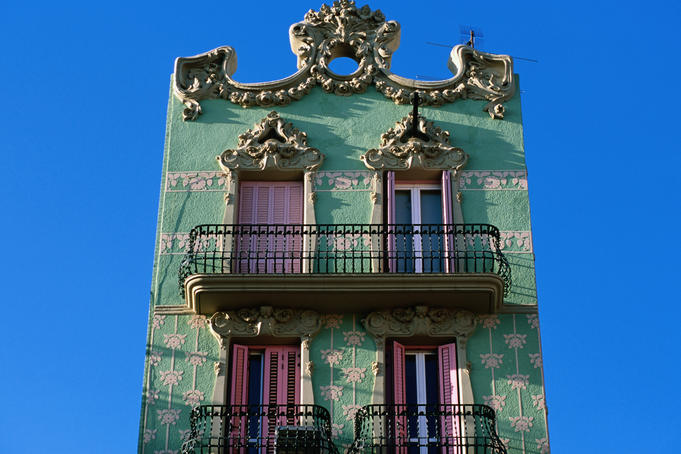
x: 266, y: 240
x: 419, y: 212
x: 424, y: 385
x: 264, y: 382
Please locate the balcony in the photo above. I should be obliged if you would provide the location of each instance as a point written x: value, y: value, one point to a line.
x: 436, y: 428
x: 357, y: 266
x: 259, y: 429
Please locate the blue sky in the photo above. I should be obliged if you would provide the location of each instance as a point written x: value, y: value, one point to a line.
x: 84, y: 90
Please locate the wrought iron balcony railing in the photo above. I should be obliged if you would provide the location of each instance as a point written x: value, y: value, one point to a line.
x: 344, y: 248
x: 455, y: 429
x: 224, y: 429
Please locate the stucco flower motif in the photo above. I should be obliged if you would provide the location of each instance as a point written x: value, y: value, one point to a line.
x: 158, y: 321
x: 349, y: 411
x: 538, y: 401
x: 331, y: 392
x: 354, y: 374
x: 535, y: 359
x: 196, y: 358
x: 193, y: 397
x: 332, y: 356
x: 174, y: 341
x: 168, y: 415
x: 336, y: 430
x: 533, y: 320
x: 171, y: 377
x: 154, y: 357
x: 521, y: 423
x: 515, y: 340
x: 152, y: 396
x: 197, y: 321
x: 490, y: 321
x: 495, y: 401
x: 518, y: 381
x: 149, y: 434
x: 333, y: 320
x: 492, y: 360
x: 543, y: 445
x: 184, y: 434
x: 354, y: 337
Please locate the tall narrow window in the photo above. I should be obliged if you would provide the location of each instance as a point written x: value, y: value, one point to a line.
x: 425, y: 387
x: 263, y: 380
x: 266, y: 240
x: 419, y: 240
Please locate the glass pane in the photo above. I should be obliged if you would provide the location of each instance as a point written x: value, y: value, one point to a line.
x: 403, y: 239
x: 432, y: 239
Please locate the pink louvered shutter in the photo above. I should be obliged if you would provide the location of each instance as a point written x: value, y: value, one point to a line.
x: 448, y: 220
x: 281, y: 385
x: 239, y: 393
x: 449, y: 398
x: 399, y: 398
x: 286, y: 212
x: 390, y: 219
x: 270, y: 247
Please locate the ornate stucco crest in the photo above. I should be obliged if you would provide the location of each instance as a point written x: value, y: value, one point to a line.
x: 272, y: 143
x: 266, y: 320
x: 408, y: 146
x: 343, y: 30
x: 420, y: 321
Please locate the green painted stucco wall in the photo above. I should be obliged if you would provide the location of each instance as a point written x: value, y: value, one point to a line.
x: 504, y: 352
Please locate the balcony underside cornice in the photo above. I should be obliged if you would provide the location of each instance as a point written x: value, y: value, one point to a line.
x: 480, y: 293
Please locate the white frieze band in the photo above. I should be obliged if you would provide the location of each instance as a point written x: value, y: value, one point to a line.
x: 350, y: 180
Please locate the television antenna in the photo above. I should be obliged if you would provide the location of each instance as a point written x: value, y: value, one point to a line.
x: 474, y: 37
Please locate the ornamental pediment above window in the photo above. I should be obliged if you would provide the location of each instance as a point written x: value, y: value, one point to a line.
x: 273, y: 143
x: 343, y: 30
x: 415, y: 145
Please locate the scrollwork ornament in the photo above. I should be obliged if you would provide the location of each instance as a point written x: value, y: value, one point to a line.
x: 343, y: 30
x: 273, y: 143
x: 421, y: 145
x: 251, y: 322
x: 420, y: 320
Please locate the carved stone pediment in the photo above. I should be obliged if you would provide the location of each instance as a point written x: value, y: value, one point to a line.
x: 266, y: 320
x: 271, y: 144
x: 343, y: 30
x: 420, y: 321
x: 424, y: 146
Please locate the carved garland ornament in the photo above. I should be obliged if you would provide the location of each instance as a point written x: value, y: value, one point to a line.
x: 343, y: 30
x: 266, y: 320
x: 420, y: 321
x: 272, y: 143
x: 404, y: 147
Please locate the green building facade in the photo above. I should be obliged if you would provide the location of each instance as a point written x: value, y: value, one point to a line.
x: 341, y: 298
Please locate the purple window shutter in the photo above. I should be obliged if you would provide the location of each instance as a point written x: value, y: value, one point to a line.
x: 448, y: 220
x: 399, y: 398
x: 239, y: 391
x: 390, y: 218
x: 449, y: 395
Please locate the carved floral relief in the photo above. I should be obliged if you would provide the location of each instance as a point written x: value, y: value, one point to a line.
x: 343, y: 30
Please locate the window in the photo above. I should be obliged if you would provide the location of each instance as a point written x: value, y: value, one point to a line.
x: 424, y: 385
x: 418, y: 214
x: 266, y: 243
x: 262, y: 378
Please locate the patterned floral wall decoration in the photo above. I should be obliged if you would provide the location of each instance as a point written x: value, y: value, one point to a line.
x: 351, y: 180
x: 506, y: 373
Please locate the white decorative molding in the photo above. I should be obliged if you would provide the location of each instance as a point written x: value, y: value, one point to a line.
x: 266, y: 320
x: 516, y: 241
x: 273, y: 143
x: 493, y: 180
x: 349, y: 180
x: 343, y: 30
x: 409, y: 146
x: 420, y: 321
